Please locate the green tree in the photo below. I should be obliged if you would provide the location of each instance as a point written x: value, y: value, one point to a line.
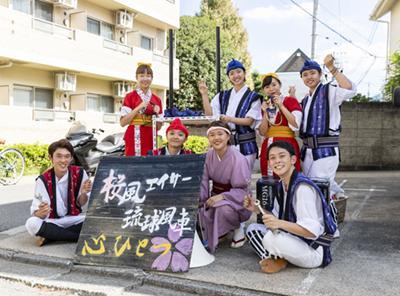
x: 195, y: 49
x: 394, y: 79
x: 360, y: 98
x: 257, y: 82
x: 228, y: 18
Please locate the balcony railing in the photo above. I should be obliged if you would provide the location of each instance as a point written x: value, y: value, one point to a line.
x: 160, y: 58
x: 52, y: 115
x: 53, y: 28
x: 117, y: 46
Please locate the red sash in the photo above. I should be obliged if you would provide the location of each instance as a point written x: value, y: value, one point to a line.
x: 218, y: 188
x: 75, y: 175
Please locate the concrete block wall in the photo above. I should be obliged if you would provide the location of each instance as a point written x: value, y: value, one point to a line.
x: 370, y: 139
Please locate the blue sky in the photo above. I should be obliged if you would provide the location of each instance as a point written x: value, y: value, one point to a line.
x: 277, y: 28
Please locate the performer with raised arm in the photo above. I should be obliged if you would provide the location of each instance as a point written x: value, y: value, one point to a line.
x: 280, y: 125
x: 137, y: 109
x: 300, y: 228
x: 239, y: 107
x: 223, y: 210
x: 320, y: 125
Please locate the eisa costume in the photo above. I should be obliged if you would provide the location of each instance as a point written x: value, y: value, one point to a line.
x: 283, y: 131
x: 163, y: 151
x: 64, y: 221
x: 139, y: 134
x: 320, y: 129
x: 305, y: 205
x: 229, y: 176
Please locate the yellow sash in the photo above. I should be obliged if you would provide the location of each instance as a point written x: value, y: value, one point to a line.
x: 141, y: 119
x: 280, y: 131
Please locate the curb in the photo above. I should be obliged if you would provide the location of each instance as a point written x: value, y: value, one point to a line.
x: 140, y: 277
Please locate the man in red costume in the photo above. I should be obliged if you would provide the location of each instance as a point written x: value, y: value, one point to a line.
x: 60, y: 193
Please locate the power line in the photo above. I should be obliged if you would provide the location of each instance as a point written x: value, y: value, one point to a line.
x: 333, y: 30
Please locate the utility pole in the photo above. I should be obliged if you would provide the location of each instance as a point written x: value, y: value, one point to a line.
x: 314, y: 30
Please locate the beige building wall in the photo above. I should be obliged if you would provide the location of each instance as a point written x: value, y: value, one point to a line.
x: 97, y: 66
x: 395, y: 27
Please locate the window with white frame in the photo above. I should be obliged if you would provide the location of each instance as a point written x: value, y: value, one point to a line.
x: 146, y: 42
x: 100, y: 28
x: 27, y: 96
x: 98, y: 103
x: 42, y: 10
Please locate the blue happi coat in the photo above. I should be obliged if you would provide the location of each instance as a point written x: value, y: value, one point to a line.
x: 244, y: 136
x: 317, y: 126
x: 290, y: 215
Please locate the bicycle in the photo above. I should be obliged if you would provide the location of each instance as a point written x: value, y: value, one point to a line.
x: 12, y: 166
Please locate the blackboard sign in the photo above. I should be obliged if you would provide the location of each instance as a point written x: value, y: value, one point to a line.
x: 142, y: 212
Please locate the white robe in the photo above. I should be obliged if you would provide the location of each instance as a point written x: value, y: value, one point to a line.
x: 34, y: 223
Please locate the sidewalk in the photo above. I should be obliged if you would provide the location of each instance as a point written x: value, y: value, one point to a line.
x: 366, y: 257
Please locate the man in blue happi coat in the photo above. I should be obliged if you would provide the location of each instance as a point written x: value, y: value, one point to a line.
x: 320, y: 126
x: 300, y: 228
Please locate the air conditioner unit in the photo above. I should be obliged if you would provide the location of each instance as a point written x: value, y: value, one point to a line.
x: 65, y: 82
x: 122, y: 88
x: 68, y: 4
x: 124, y: 19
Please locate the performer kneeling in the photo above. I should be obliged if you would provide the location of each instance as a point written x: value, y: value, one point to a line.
x: 60, y: 193
x: 301, y: 214
x: 177, y: 134
x: 223, y: 211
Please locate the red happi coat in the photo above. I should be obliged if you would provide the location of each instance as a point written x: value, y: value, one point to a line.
x: 75, y: 179
x: 132, y: 100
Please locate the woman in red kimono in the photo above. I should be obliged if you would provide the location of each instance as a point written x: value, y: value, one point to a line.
x: 286, y: 122
x: 137, y: 109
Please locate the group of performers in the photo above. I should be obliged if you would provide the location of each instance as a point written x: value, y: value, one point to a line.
x: 301, y: 225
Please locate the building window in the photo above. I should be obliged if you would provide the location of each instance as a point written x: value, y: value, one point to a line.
x: 146, y: 43
x: 99, y: 103
x: 26, y: 96
x: 43, y: 98
x: 107, y: 104
x: 24, y: 6
x: 44, y: 11
x: 23, y: 96
x: 100, y: 28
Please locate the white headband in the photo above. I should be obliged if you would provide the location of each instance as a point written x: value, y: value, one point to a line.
x: 218, y: 127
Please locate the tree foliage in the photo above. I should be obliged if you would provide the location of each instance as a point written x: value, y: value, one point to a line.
x: 195, y: 49
x: 257, y: 82
x: 394, y: 79
x: 360, y: 98
x: 228, y: 18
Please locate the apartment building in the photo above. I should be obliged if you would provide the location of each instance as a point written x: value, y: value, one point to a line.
x: 77, y: 58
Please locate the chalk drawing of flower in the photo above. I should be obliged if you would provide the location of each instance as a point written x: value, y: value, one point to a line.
x: 160, y: 244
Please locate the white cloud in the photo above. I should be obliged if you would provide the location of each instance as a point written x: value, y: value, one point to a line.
x: 272, y: 14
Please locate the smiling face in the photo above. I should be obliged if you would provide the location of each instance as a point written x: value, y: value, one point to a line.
x: 280, y: 161
x: 311, y: 78
x: 218, y: 139
x: 61, y: 159
x: 176, y: 138
x: 144, y: 80
x: 274, y: 88
x: 236, y: 76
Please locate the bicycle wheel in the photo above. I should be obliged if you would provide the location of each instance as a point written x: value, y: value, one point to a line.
x: 12, y: 166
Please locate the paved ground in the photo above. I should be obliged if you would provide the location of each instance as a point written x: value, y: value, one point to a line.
x: 366, y: 258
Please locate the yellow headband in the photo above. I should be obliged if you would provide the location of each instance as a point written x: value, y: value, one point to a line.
x: 269, y: 74
x: 147, y: 64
